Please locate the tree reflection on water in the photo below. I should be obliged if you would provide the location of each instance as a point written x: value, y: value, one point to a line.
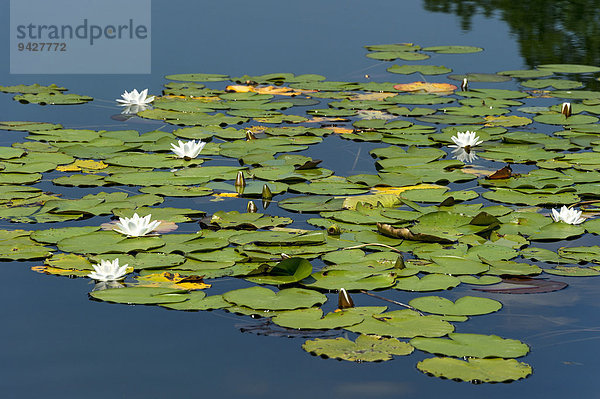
x: 548, y: 31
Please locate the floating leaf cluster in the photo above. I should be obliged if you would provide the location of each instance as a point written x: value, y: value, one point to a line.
x: 411, y: 226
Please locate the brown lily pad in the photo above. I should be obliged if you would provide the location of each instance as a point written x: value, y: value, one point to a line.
x: 524, y: 285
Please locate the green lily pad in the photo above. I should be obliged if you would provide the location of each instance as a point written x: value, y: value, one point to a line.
x: 576, y: 94
x: 483, y: 280
x: 560, y: 119
x: 451, y: 119
x: 453, y: 49
x: 365, y: 349
x: 197, y: 300
x: 542, y: 255
x: 19, y: 178
x: 350, y: 280
x: 70, y: 261
x: 235, y: 219
x: 198, y: 77
x: 475, y: 370
x: 101, y: 242
x: 329, y: 187
x: 493, y: 93
x: 510, y: 268
x: 191, y: 118
x: 515, y: 197
x: 312, y: 318
x: 311, y: 203
x: 273, y: 238
x: 581, y: 254
x: 409, y: 47
x: 481, y: 77
x: 10, y: 153
x: 455, y: 265
x: 285, y: 272
x: 403, y: 324
x: 572, y: 271
x: 471, y: 345
x: 464, y: 306
x: 423, y: 69
x: 156, y: 178
x: 394, y: 55
x: 53, y: 236
x: 150, y: 260
x: 437, y: 195
x: 430, y: 282
x: 526, y: 73
x: 31, y: 89
x: 23, y: 251
x: 264, y: 298
x: 140, y: 295
x: 177, y: 191
x: 561, y: 84
x: 52, y: 98
x: 569, y: 68
x: 419, y: 99
x: 557, y: 231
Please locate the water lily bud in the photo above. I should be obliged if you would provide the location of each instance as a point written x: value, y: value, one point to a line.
x: 464, y: 85
x: 334, y: 230
x: 266, y: 192
x: 251, y: 207
x: 399, y: 263
x: 250, y: 135
x: 565, y: 109
x: 240, y: 181
x: 344, y: 300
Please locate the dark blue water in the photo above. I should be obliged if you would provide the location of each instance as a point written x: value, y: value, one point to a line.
x: 55, y: 343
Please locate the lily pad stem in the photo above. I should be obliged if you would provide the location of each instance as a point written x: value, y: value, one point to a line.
x: 373, y: 243
x: 584, y: 203
x: 391, y: 301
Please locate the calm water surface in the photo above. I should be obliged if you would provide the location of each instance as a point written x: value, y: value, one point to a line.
x: 55, y: 343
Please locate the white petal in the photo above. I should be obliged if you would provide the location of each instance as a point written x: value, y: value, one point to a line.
x: 555, y: 215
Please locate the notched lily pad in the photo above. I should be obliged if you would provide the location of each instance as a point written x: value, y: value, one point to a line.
x: 264, y: 299
x: 464, y: 306
x: 471, y: 345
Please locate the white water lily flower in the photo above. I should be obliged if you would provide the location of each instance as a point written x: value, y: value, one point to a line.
x: 463, y: 155
x: 108, y: 271
x: 135, y: 98
x: 189, y: 150
x: 465, y: 140
x: 567, y: 215
x: 136, y: 226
